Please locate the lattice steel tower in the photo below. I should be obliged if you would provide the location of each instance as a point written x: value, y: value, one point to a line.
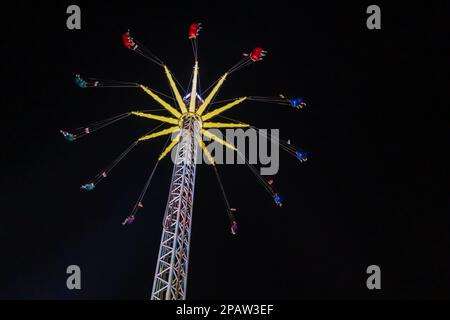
x: 172, y: 267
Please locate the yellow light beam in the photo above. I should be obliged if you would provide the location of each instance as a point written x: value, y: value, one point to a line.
x: 216, y: 138
x: 208, y: 155
x: 211, y: 95
x: 194, y: 89
x: 170, y: 147
x: 167, y: 106
x: 175, y: 90
x: 224, y: 125
x: 155, y: 117
x: 218, y: 111
x: 159, y: 133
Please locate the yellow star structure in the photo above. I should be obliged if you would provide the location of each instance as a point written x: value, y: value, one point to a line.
x: 180, y: 113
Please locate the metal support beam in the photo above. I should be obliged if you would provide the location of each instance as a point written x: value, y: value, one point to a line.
x: 172, y: 266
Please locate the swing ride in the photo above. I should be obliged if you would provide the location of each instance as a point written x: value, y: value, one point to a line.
x: 189, y: 118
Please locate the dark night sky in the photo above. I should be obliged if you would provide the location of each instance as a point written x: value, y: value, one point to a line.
x: 371, y: 193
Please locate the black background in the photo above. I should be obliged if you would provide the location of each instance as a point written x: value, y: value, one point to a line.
x: 373, y: 192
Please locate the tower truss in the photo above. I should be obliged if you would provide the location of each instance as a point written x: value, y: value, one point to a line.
x: 172, y: 267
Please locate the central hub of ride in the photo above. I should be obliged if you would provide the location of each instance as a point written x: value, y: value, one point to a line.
x: 189, y: 116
